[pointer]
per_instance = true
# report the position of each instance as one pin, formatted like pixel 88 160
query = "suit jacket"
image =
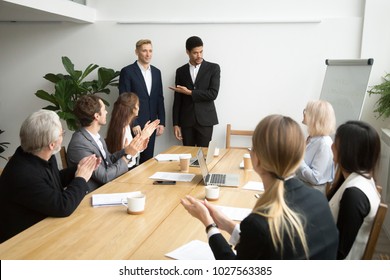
pixel 255 239
pixel 198 107
pixel 32 189
pixel 82 144
pixel 150 107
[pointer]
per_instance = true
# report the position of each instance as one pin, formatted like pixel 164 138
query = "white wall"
pixel 273 67
pixel 376 44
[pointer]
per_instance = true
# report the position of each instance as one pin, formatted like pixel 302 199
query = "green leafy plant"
pixel 3 146
pixel 382 106
pixel 70 87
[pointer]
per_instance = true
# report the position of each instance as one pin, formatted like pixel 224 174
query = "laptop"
pixel 224 180
pixel 210 154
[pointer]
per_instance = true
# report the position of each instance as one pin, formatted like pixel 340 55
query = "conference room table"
pixel 109 233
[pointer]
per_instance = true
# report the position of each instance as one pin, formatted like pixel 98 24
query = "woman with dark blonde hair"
pixel 290 220
pixel 119 135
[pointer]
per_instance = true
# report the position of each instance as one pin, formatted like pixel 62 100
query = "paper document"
pixel 235 213
pixel 110 199
pixel 254 186
pixel 193 250
pixel 169 157
pixel 171 176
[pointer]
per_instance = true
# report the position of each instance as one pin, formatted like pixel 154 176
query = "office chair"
pixel 234 132
pixel 63 157
pixel 374 233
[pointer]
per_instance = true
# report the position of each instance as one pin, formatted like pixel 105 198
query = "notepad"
pixel 110 199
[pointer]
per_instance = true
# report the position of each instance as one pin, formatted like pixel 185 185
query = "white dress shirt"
pixel 96 138
pixel 147 73
pixel 129 138
pixel 194 71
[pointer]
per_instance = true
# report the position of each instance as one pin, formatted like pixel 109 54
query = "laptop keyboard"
pixel 218 179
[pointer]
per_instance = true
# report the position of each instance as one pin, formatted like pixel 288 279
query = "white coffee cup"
pixel 212 192
pixel 184 162
pixel 247 162
pixel 216 152
pixel 135 203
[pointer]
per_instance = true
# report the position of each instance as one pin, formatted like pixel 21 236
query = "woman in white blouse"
pixel 317 167
pixel 119 135
pixel 353 197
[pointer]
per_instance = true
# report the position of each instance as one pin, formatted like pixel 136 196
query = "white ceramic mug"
pixel 135 204
pixel 212 192
pixel 184 162
pixel 216 152
pixel 247 162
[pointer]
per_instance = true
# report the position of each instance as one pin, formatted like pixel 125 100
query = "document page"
pixel 171 176
pixel 193 250
pixel 169 157
pixel 110 199
pixel 235 213
pixel 254 186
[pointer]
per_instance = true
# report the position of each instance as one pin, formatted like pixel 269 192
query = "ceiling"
pixel 44 11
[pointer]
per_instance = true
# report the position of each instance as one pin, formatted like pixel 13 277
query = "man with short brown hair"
pixel 144 79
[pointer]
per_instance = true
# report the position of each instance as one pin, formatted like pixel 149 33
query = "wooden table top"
pixel 110 233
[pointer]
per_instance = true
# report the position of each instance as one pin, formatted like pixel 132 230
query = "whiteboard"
pixel 345 87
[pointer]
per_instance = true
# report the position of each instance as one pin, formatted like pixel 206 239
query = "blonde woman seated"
pixel 354 199
pixel 317 167
pixel 290 220
pixel 119 135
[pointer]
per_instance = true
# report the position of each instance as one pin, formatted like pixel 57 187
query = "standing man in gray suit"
pixel 197 86
pixel 91 113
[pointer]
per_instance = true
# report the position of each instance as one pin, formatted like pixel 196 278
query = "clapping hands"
pixel 141 140
pixel 87 165
pixel 207 213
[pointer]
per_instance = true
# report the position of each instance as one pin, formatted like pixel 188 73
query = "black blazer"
pixel 255 239
pixel 198 107
pixel 32 189
pixel 150 107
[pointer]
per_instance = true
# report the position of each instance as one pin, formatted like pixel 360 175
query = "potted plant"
pixel 69 87
pixel 382 106
pixel 3 146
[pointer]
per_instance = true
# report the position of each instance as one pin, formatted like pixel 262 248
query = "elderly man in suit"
pixel 91 113
pixel 197 86
pixel 144 80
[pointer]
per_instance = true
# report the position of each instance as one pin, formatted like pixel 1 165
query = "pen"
pixel 257 195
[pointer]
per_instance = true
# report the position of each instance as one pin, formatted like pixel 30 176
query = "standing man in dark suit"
pixel 197 86
pixel 145 80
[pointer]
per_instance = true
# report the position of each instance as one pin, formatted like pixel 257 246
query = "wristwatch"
pixel 211 226
pixel 128 157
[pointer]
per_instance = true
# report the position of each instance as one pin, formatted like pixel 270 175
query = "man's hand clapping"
pixel 86 166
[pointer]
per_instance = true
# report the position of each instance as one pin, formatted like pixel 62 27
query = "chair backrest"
pixel 230 132
pixel 374 233
pixel 379 189
pixel 63 157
